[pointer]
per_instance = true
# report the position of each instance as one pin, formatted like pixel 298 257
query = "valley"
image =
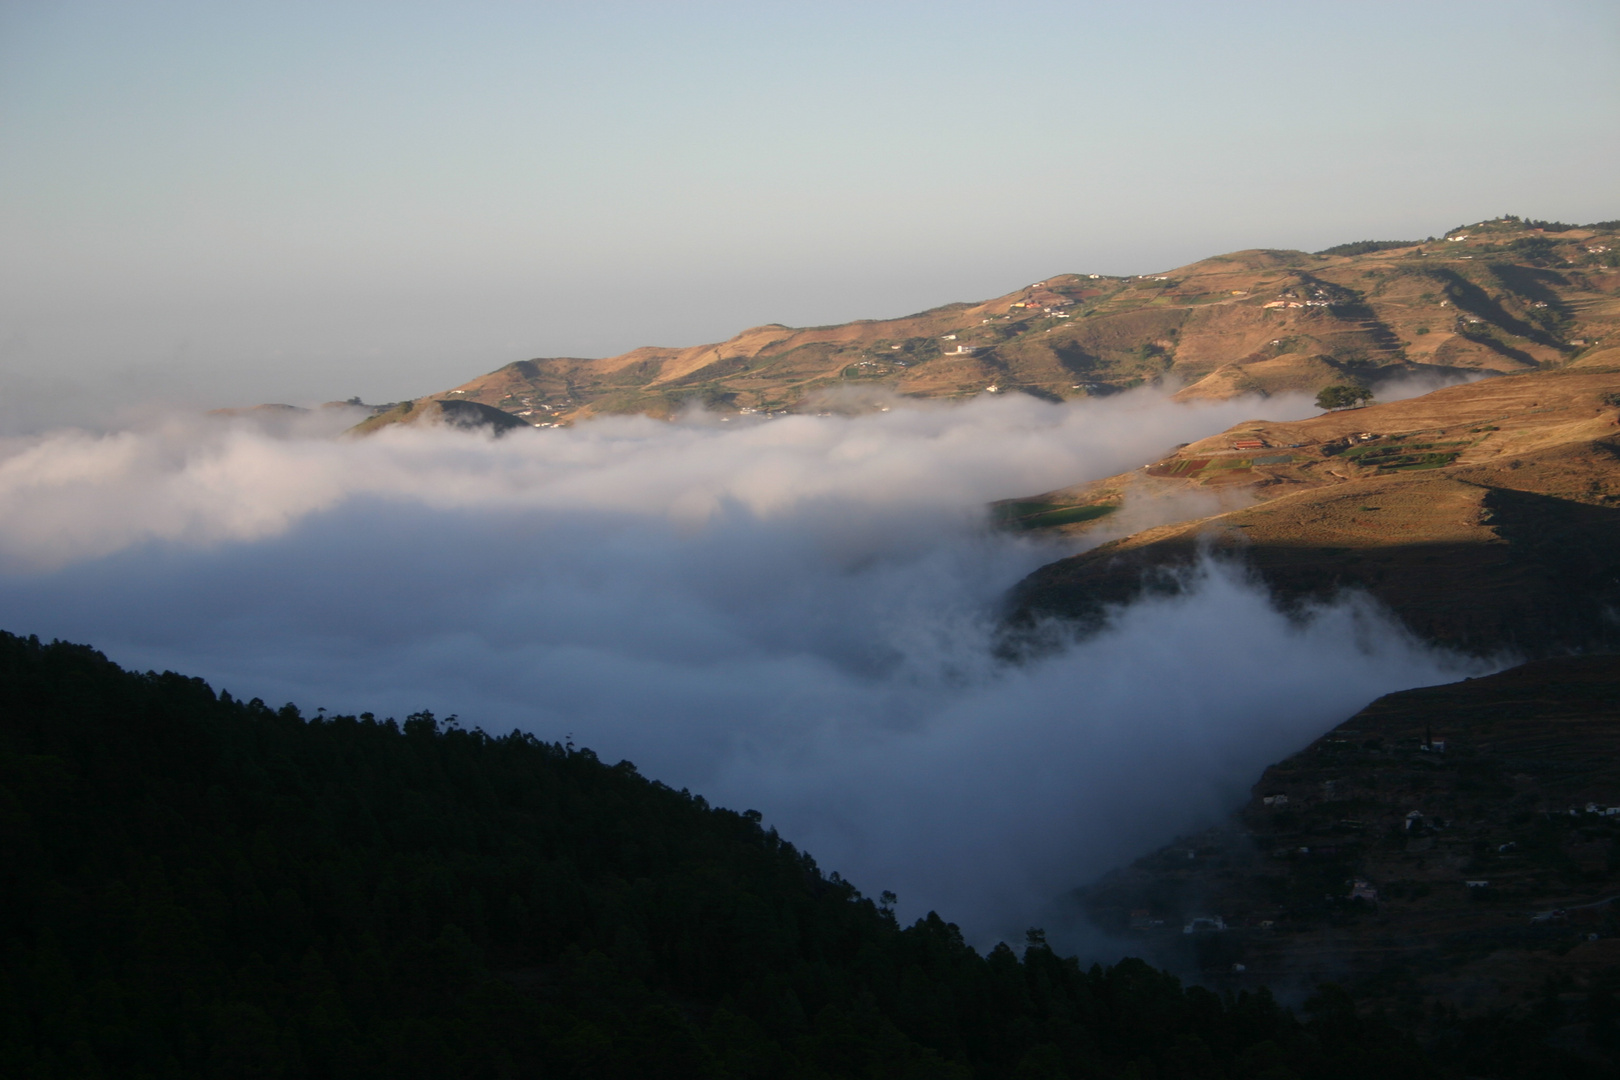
pixel 1449 851
pixel 1450 855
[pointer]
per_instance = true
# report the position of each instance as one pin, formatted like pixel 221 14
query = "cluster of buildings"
pixel 1142 919
pixel 1049 302
pixel 1594 808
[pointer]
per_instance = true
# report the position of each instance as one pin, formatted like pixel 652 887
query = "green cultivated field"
pixel 1040 515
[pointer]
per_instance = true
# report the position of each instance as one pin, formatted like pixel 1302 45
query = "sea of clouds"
pixel 794 615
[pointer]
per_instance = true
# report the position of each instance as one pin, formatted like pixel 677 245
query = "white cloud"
pixel 792 615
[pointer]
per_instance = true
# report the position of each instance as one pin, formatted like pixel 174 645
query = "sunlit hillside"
pixel 1506 295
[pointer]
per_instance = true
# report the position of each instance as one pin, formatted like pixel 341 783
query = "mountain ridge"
pixel 1506 295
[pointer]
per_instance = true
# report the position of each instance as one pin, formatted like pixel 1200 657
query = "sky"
pixel 205 205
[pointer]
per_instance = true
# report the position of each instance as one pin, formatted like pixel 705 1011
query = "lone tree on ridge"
pixel 1342 397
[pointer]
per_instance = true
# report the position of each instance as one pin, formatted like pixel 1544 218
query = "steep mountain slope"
pixel 195 886
pixel 1499 296
pixel 456 413
pixel 1450 846
pixel 1486 516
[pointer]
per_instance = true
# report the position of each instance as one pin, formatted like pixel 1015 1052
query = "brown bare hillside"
pixel 1485 516
pixel 1500 296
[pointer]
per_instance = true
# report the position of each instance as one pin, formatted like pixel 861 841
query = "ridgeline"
pixel 197 886
pixel 1506 295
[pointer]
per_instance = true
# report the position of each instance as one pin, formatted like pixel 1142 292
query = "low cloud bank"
pixel 792 615
pixel 1402 387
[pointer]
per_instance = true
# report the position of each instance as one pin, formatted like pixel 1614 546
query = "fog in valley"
pixel 793 615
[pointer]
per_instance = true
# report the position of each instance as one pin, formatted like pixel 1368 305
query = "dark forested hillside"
pixel 196 886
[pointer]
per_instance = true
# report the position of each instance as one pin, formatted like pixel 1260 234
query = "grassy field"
pixel 1022 516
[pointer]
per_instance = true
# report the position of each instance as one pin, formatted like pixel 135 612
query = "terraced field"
pixel 1454 846
pixel 1040 515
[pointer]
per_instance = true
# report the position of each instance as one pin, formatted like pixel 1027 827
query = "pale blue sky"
pixel 225 203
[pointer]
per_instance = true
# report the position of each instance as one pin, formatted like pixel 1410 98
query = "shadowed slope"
pixel 1436 852
pixel 194 886
pixel 1486 516
pixel 464 415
